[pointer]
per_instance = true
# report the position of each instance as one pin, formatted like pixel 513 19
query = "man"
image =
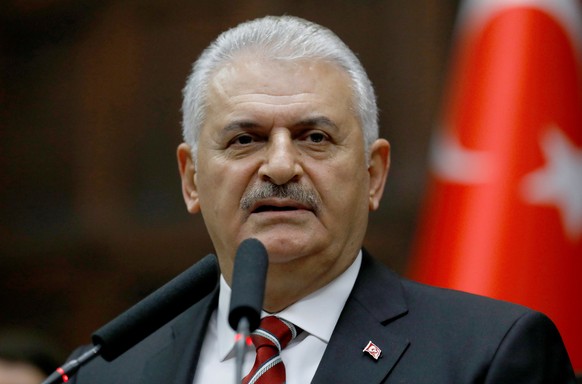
pixel 281 144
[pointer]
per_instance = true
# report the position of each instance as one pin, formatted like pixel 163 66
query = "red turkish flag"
pixel 504 211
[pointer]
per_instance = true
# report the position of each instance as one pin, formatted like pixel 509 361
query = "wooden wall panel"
pixel 91 214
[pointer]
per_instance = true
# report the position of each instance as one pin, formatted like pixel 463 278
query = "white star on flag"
pixel 559 182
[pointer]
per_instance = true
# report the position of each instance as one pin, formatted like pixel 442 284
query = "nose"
pixel 281 164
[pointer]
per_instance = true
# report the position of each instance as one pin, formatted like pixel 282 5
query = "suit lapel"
pixel 376 299
pixel 179 357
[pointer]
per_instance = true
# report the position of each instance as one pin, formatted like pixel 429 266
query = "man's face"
pixel 281 158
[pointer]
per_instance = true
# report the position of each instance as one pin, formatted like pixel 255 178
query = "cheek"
pixel 217 194
pixel 221 190
pixel 345 189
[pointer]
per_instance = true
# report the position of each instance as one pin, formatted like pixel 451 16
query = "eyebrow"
pixel 238 125
pixel 317 121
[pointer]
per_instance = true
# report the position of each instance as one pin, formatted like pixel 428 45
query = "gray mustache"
pixel 292 191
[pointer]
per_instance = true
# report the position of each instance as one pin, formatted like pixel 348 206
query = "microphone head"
pixel 248 283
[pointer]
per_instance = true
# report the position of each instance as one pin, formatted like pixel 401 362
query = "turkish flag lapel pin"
pixel 373 350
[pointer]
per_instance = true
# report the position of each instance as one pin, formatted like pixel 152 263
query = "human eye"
pixel 243 139
pixel 316 137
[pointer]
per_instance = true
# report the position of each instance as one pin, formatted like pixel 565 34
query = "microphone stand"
pixel 240 347
pixel 145 317
pixel 62 374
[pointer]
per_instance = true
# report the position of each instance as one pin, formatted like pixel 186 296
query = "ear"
pixel 378 170
pixel 188 175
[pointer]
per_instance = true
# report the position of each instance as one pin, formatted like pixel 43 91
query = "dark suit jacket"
pixel 426 334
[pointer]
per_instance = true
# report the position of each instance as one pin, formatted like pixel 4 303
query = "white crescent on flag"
pixel 451 161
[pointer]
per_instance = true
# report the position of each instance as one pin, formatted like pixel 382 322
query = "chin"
pixel 284 250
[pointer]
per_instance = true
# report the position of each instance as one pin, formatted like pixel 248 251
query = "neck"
pixel 286 285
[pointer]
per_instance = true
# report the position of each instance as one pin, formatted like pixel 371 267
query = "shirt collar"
pixel 306 313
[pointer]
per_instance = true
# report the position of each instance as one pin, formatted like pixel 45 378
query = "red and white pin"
pixel 373 350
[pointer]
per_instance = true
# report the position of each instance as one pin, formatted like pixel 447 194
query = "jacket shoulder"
pixel 493 341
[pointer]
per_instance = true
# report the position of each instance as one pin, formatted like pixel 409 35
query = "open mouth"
pixel 273 208
pixel 279 205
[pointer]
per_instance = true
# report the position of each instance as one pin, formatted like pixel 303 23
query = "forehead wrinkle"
pixel 272 99
pixel 231 85
pixel 258 114
pixel 315 121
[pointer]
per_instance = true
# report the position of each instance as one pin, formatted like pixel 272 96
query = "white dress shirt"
pixel 317 314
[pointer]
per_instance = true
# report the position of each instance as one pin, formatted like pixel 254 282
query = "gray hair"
pixel 281 38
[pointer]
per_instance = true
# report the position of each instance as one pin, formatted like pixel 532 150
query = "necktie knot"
pixel 274 332
pixel 272 336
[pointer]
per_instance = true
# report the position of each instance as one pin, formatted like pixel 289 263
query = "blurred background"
pixel 91 214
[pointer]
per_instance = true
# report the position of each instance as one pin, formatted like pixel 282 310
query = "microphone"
pixel 145 317
pixel 248 284
pixel 248 291
pixel 157 309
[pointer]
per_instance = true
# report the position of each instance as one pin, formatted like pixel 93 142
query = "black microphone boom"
pixel 157 309
pixel 248 284
pixel 141 320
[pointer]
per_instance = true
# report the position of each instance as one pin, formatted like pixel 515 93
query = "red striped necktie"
pixel 269 339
